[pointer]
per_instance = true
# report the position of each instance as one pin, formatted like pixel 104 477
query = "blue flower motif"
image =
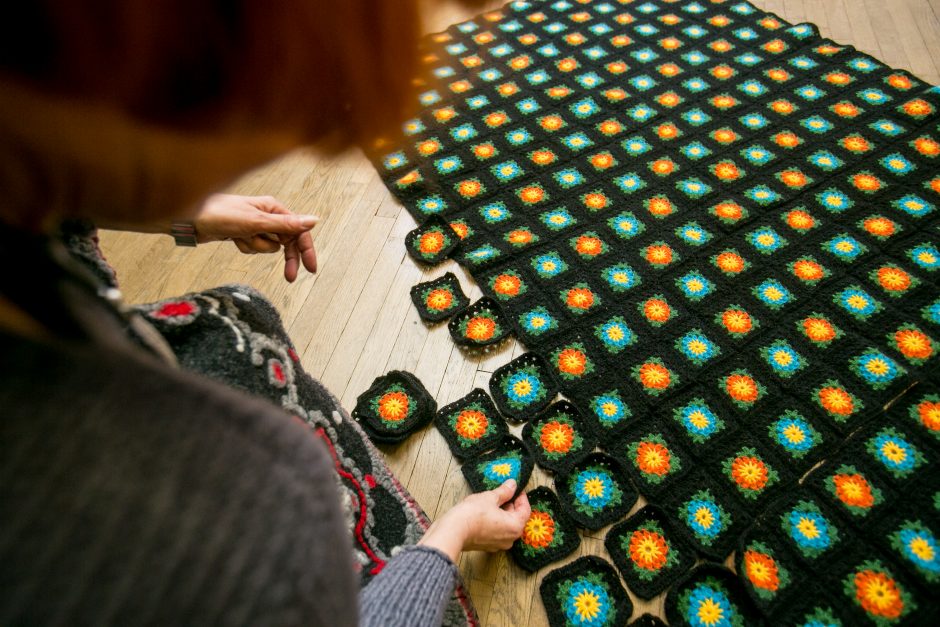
pixel 913 205
pixel 629 183
pixel 773 294
pixel 753 88
pixel 394 160
pixel 757 154
pixel 600 29
pixel 594 53
pixel 635 146
pixel 932 312
pixel 584 594
pixel 927 256
pixel 641 112
pixel 429 97
pixel 697 347
pixel 568 178
pixel 584 108
pixel 528 105
pixel 876 368
pixel 825 160
pixel 490 75
pixel 803 62
pixel 645 55
pixel 577 141
pixel 626 225
pixel 894 452
pixel 647 8
pixel 593 488
pixel 809 529
pixel 549 265
pixel 477 102
pixel 694 7
pixel 431 204
pixel 695 151
pixel 874 96
pixel 896 163
pixel 502 469
pixel 522 387
pixel 481 254
pixel 845 247
pixel 549 50
pixel 693 187
pixel 810 92
pixel 693 234
pixel 707 601
pixel 695 286
pixel 501 50
pixel 519 137
pixel 621 277
pixel 590 80
pixel 834 200
pixel 887 127
pixel 695 85
pixel 794 434
pixel 615 334
pixel 609 408
pixel 444 71
pixel 557 219
pixel 448 164
pixel 696 117
pixel 743 9
pixel 643 82
pixel 704 517
pixel 766 240
pixel 694 57
pixel 782 359
pixel 857 302
pixel 927 555
pixel 538 321
pixel 506 171
pixel 555 28
pixel 699 420
pixel 413 127
pixel 746 34
pixel 495 212
pixel 816 124
pixel 754 121
pixel 762 195
pixel 455 49
pixel 861 64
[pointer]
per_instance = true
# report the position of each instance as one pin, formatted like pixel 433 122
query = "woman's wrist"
pixel 448 535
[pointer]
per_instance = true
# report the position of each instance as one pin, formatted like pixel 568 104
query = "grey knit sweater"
pixel 136 494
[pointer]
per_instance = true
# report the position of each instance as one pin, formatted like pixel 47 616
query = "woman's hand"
pixel 486 521
pixel 259 224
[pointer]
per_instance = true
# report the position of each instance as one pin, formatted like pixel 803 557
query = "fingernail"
pixel 308 222
pixel 511 483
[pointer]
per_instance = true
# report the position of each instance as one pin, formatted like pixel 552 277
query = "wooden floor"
pixel 353 320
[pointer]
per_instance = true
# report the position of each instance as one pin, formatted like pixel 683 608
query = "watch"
pixel 184 233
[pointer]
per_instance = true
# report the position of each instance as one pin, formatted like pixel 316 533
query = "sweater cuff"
pixel 412 589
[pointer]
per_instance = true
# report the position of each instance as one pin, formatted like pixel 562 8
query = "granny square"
pixel 470 425
pixel 439 299
pixel 585 592
pixel 395 406
pixel 548 536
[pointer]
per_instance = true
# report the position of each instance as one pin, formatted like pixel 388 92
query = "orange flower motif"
pixel 846 110
pixel 856 143
pixel 818 329
pixel 720 21
pixel 894 279
pixel 913 343
pixel 727 171
pixel 899 81
pixel 667 131
pixel 720 46
pixel 472 61
pixel 616 67
pixel 572 361
pixel 917 107
pixel 927 146
pixel 750 473
pixel 669 70
pixel 725 136
pixel 520 236
pixel 670 19
pixel 929 414
pixel 480 328
pixel 409 178
pixel 655 376
pixel 595 201
pixel 728 211
pixel 520 62
pixel 556 437
pixel 657 310
pixel 866 182
pixel 575 39
pixel 393 406
pixel 838 78
pixel 783 107
pixel 648 549
pixel 551 122
pixel 730 262
pixel 761 570
pixel 880 226
pixel 458 87
pixel 484 38
pixel 778 74
pixel 659 254
pixel 528 39
pixel 431 242
pixel 507 284
pixel 471 424
pixel 935 184
pixel 543 157
pixel 669 99
pixel 619 41
pixel 539 530
pixel 800 220
pixel 737 321
pixel 507 89
pixel 793 179
pixel 836 400
pixel 786 139
pixel 429 147
pixel 741 388
pixel 807 270
pixel 469 188
pixel 724 101
pixel 660 206
pixel 670 43
pixel 531 194
pixel 602 160
pixel 588 245
pixel 558 92
pixel 484 151
pixel 653 458
pixel 615 94
pixel 663 166
pixel 461 229
pixel 770 23
pixel 610 127
pixel 439 300
pixel 580 298
pixel 853 490
pixel 878 594
pixel 444 114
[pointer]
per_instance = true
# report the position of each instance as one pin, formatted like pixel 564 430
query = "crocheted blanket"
pixel 717 233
